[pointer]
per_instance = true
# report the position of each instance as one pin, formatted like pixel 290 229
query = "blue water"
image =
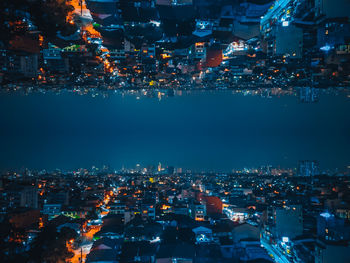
pixel 200 131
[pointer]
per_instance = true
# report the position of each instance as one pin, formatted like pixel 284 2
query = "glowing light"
pixel 165 207
pixel 156 23
pixel 326 215
pixel 157 239
pixel 234 46
pixel 285 239
pixel 164 56
pixel 326 48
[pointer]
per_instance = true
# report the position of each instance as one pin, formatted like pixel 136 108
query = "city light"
pixel 175 131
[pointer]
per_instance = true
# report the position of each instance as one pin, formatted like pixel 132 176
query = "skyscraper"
pixel 308 168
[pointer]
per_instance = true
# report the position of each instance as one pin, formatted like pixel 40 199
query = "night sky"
pixel 199 131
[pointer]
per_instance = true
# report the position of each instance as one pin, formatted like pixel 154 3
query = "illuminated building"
pixel 285 40
pixel 238 215
pixel 287 221
pixel 198 211
pixel 148 211
pixel 333 236
pixel 331 228
pixel 280 30
pixel 199 50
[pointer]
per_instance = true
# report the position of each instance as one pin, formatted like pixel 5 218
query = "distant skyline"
pixel 165 166
pixel 200 131
pixel 154 170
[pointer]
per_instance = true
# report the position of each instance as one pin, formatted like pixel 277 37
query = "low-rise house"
pixel 203 234
pixel 245 231
pixel 102 256
pixel 175 253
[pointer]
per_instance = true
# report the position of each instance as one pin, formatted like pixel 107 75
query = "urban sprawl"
pixel 166 214
pixel 158 47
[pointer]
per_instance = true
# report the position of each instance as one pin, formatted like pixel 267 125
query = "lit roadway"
pixel 272 249
pixel 83 12
pixel 85 246
pixel 80 9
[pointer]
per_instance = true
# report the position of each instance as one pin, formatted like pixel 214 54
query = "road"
pixel 85 246
pixel 278 256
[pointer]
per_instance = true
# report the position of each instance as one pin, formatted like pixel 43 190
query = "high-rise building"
pixel 29 197
pixel 308 94
pixel 287 221
pixel 331 228
pixel 333 236
pixel 286 28
pixel 308 168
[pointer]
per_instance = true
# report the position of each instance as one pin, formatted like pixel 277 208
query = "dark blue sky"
pixel 202 131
